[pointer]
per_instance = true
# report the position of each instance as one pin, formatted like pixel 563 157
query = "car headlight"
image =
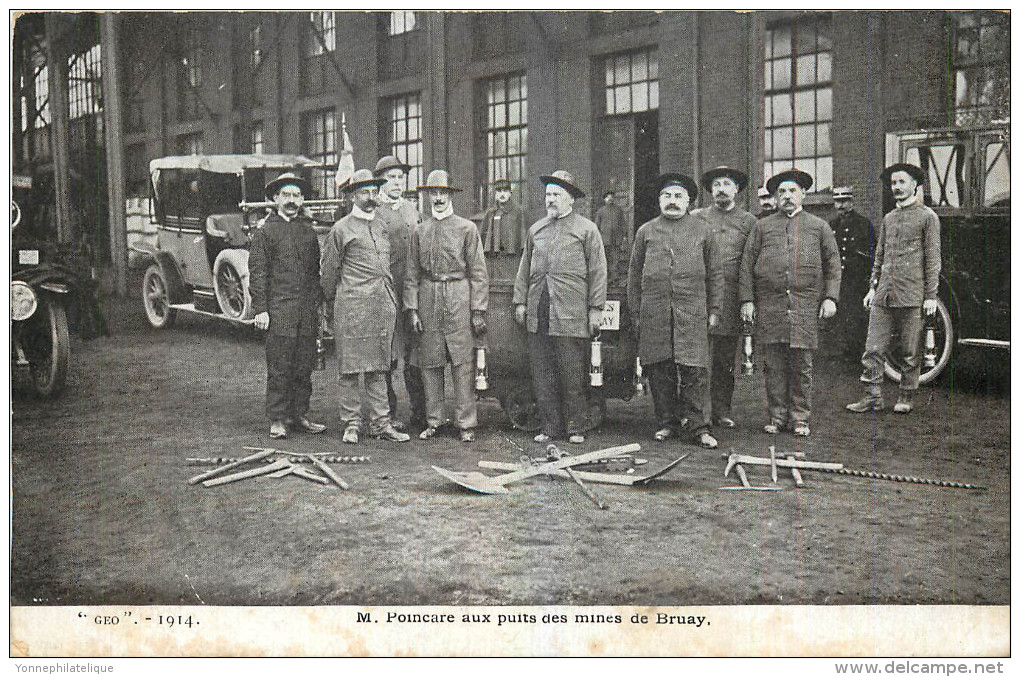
pixel 23 301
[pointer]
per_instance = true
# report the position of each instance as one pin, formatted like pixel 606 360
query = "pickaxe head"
pixel 729 465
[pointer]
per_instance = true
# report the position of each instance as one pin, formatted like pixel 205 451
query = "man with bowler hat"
pixel 502 228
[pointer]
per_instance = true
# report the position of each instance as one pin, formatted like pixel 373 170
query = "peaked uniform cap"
pixel 843 193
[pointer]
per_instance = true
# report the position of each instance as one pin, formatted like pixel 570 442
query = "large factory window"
pixel 318 41
pixel 318 139
pixel 632 82
pixel 506 130
pixel 980 59
pixel 402 124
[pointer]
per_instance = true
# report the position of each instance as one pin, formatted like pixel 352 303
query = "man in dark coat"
pixel 730 227
pixel 283 266
pixel 789 279
pixel 560 296
pixel 503 230
pixel 612 224
pixel 674 290
pixel 400 217
pixel 855 239
pixel 766 203
pixel 904 283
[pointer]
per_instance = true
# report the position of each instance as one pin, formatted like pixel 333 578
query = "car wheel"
pixel 942 323
pixel 47 345
pixel 156 298
pixel 230 282
pixel 521 409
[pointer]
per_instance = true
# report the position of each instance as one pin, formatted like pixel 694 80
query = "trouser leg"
pixel 391 394
pixel 777 364
pixel 876 346
pixel 279 368
pixel 570 370
pixel 911 323
pixel 694 398
pixel 466 410
pixel 301 376
pixel 378 404
pixel 724 350
pixel 662 379
pixel 800 370
pixel 544 381
pixel 415 389
pixel 434 379
pixel 350 399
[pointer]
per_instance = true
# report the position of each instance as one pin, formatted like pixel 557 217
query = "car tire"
pixel 521 408
pixel 156 298
pixel 230 283
pixel 943 325
pixel 50 350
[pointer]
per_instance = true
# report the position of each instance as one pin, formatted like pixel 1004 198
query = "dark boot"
pixel 905 403
pixel 872 401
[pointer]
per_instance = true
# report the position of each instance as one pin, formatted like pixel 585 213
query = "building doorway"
pixel 625 160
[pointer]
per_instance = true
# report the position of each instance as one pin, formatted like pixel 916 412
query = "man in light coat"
pixel 362 303
pixel 674 290
pixel 789 279
pixel 446 294
pixel 560 296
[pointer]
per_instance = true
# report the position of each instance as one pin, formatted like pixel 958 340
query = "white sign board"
pixel 611 316
pixel 28 257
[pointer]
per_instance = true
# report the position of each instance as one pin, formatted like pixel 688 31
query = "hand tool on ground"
pixel 330 458
pixel 218 471
pixel 743 476
pixel 485 484
pixel 300 472
pixel 555 452
pixel 797 479
pixel 744 484
pixel 596 477
pixel 772 457
pixel 245 474
pixel 329 473
pixel 734 459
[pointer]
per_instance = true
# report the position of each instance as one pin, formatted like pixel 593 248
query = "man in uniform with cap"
pixel 904 282
pixel 612 224
pixel 766 203
pixel 283 265
pixel 789 279
pixel 855 239
pixel 362 302
pixel 446 295
pixel 400 218
pixel 675 290
pixel 503 223
pixel 730 227
pixel 560 295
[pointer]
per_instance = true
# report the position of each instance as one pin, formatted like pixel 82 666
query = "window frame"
pixel 401 147
pixel 491 106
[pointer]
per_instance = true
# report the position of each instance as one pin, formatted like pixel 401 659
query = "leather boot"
pixel 872 401
pixel 905 402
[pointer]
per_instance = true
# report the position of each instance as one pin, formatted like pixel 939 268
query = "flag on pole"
pixel 345 168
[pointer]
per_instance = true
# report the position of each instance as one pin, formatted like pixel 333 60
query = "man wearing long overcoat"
pixel 675 289
pixel 856 241
pixel 730 227
pixel 789 279
pixel 616 238
pixel 560 296
pixel 502 227
pixel 400 217
pixel 283 267
pixel 359 291
pixel 446 294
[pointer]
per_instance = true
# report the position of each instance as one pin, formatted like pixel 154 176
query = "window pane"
pixel 768 111
pixel 825 67
pixel 804 145
pixel 804 106
pixel 653 66
pixel 653 96
pixel 781 40
pixel 781 74
pixel 515 88
pixel 782 109
pixel 640 97
pixel 609 74
pixel 823 174
pixel 824 111
pixel 622 69
pixel 996 176
pixel 806 33
pixel 623 100
pixel 768 143
pixel 824 145
pixel 610 102
pixel 500 118
pixel 806 74
pixel 782 143
pixel 640 67
pixel 515 113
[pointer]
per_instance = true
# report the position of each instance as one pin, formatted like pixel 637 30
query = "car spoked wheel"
pixel 230 274
pixel 47 345
pixel 156 298
pixel 521 409
pixel 942 326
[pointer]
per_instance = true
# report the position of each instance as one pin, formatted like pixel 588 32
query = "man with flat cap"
pixel 612 224
pixel 446 293
pixel 730 227
pixel 904 283
pixel 362 302
pixel 502 228
pixel 400 217
pixel 789 279
pixel 675 291
pixel 560 295
pixel 283 269
pixel 855 239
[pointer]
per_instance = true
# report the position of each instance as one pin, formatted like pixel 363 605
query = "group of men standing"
pixel 397 287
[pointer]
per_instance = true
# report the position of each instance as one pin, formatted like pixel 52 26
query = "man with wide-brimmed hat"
pixel 560 296
pixel 904 283
pixel 674 291
pixel 856 241
pixel 362 302
pixel 400 218
pixel 612 224
pixel 502 228
pixel 283 270
pixel 446 293
pixel 789 279
pixel 730 227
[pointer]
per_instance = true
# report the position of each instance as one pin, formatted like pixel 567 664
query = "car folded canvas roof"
pixel 230 164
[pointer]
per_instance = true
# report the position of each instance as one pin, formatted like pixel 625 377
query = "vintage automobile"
pixel 967 184
pixel 205 208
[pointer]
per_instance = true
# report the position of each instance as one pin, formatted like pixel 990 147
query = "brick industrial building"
pixel 613 97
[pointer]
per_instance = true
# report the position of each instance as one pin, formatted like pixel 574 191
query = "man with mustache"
pixel 400 218
pixel 446 293
pixel 503 223
pixel 362 303
pixel 904 282
pixel 766 203
pixel 560 295
pixel 730 227
pixel 675 290
pixel 789 279
pixel 283 269
pixel 856 239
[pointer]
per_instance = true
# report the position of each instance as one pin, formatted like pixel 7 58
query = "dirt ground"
pixel 103 514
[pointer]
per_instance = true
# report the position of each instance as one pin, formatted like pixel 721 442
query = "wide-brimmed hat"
pixel 502 184
pixel 388 162
pixel 565 180
pixel 438 179
pixel 287 179
pixel 802 179
pixel 915 172
pixel 843 193
pixel 362 178
pixel 739 177
pixel 670 178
